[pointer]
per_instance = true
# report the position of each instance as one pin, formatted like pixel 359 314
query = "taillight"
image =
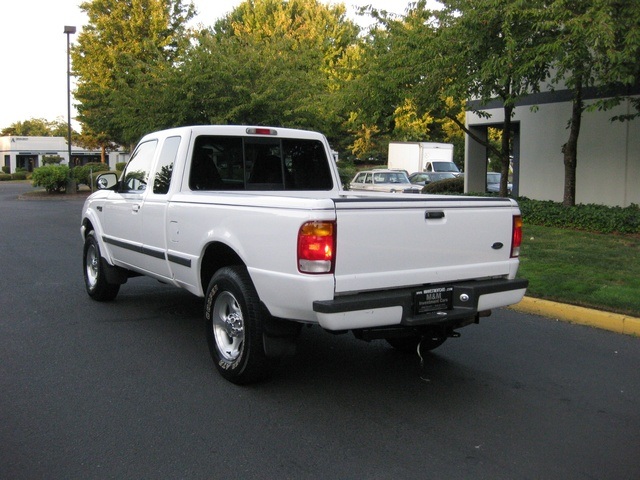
pixel 516 238
pixel 316 247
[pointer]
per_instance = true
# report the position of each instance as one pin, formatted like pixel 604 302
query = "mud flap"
pixel 280 337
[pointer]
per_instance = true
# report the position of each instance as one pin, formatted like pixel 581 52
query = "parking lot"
pixel 127 389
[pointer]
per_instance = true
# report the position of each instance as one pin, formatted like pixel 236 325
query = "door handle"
pixel 135 208
pixel 433 215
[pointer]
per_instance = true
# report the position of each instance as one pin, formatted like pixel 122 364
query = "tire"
pixel 410 344
pixel 234 319
pixel 95 279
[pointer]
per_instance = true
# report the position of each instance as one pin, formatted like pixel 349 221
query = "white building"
pixel 608 166
pixel 27 152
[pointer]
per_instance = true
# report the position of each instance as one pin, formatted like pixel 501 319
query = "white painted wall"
pixel 608 170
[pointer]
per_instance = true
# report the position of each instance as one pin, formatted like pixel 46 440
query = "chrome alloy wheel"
pixel 228 326
pixel 92 266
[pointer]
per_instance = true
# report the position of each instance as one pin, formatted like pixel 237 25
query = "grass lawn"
pixel 581 268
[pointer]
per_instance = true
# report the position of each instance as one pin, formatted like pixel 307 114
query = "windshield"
pixel 493 178
pixel 445 167
pixel 390 177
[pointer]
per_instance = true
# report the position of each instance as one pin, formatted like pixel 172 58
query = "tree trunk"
pixel 505 152
pixel 570 149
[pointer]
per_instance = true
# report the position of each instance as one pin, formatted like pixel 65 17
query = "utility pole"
pixel 71 182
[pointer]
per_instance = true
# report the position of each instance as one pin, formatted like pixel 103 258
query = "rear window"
pixel 241 163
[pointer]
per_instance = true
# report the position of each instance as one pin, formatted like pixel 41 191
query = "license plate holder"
pixel 432 300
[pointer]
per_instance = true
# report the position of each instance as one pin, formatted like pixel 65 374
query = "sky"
pixel 33 65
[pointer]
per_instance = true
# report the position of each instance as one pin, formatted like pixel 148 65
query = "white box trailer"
pixel 422 157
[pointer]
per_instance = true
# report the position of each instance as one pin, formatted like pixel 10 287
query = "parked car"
pixel 425 178
pixel 383 180
pixel 493 183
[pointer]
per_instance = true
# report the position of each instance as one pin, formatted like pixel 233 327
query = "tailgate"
pixel 398 242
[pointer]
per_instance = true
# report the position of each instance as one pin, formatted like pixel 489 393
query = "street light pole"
pixel 71 183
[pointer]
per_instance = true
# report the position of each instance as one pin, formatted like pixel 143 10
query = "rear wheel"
pixel 235 326
pixel 95 279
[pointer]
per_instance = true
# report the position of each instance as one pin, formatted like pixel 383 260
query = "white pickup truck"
pixel 255 220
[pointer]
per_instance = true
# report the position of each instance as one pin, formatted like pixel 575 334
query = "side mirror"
pixel 106 181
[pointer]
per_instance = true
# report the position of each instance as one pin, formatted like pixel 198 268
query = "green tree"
pixel 92 141
pixel 38 127
pixel 124 44
pixel 268 62
pixel 487 50
pixel 596 44
pixel 470 50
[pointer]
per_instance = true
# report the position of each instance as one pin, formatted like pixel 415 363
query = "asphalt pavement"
pixel 127 389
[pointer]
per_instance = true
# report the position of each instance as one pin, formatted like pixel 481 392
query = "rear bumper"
pixel 395 307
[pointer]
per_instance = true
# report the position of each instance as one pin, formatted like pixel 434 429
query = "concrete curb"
pixel 584 316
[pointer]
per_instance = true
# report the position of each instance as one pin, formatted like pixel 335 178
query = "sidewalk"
pixel 584 316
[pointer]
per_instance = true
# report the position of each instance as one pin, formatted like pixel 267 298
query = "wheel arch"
pixel 87 226
pixel 89 223
pixel 217 255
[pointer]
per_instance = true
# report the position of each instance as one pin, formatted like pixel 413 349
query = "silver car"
pixel 425 178
pixel 392 181
pixel 493 183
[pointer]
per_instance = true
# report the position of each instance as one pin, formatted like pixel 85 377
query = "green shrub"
pixel 449 185
pixel 120 166
pixel 4 177
pixel 6 169
pixel 52 177
pixel 347 171
pixel 51 159
pixel 82 173
pixel 590 217
pixel 19 175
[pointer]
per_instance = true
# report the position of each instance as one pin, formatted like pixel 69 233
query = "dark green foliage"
pixel 450 185
pixel 4 177
pixel 347 171
pixel 82 174
pixel 19 175
pixel 52 177
pixel 51 159
pixel 120 166
pixel 593 218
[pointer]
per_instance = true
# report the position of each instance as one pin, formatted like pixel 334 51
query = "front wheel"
pixel 235 321
pixel 95 279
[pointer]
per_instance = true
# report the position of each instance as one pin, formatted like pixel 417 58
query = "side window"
pixel 306 165
pixel 368 179
pixel 162 178
pixel 217 164
pixel 136 173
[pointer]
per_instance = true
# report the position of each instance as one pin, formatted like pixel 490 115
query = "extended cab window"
pixel 258 163
pixel 162 178
pixel 217 164
pixel 136 174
